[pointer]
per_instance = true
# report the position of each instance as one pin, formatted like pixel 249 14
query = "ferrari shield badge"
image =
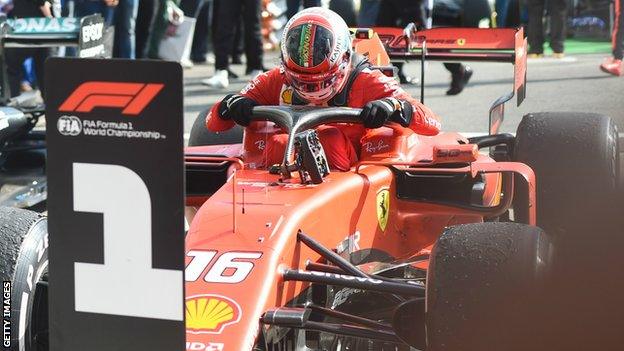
pixel 383 206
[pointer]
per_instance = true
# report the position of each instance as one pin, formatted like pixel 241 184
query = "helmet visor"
pixel 302 84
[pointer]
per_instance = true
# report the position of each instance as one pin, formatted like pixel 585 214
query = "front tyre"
pixel 484 283
pixel 23 269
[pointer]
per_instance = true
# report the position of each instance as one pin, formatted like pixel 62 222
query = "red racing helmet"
pixel 316 54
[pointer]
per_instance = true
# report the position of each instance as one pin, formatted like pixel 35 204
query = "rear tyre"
pixel 483 283
pixel 200 135
pixel 24 264
pixel 575 158
pixel 576 163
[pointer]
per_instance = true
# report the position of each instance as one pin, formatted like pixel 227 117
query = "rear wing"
pixel 458 45
pixel 86 34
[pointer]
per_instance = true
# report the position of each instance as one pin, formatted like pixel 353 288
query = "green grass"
pixel 584 46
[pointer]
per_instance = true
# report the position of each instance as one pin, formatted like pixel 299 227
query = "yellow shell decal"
pixel 461 41
pixel 287 96
pixel 209 314
pixel 383 208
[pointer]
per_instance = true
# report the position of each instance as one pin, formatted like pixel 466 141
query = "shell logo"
pixel 210 314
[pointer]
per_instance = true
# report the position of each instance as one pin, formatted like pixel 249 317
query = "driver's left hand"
pixel 377 112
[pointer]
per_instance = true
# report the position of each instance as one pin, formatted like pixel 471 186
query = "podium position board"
pixel 116 205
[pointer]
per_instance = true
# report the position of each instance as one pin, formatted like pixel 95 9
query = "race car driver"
pixel 319 68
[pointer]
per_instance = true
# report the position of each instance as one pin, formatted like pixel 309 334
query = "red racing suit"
pixel 340 141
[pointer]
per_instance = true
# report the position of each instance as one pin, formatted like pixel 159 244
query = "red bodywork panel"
pixel 254 218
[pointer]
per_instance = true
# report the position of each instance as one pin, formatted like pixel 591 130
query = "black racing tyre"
pixel 483 284
pixel 575 158
pixel 201 136
pixel 576 163
pixel 23 269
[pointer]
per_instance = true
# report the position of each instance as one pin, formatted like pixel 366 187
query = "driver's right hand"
pixel 237 108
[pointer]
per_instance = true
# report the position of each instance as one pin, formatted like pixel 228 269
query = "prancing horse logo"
pixel 383 206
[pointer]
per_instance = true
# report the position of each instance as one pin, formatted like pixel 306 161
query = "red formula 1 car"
pixel 421 245
pixel 429 242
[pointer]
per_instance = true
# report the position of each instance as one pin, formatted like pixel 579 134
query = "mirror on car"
pixel 497 115
pixel 483 192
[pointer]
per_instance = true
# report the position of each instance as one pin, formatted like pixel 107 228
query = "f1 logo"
pixel 131 97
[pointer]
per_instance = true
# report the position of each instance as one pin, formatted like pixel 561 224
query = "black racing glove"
pixel 237 108
pixel 376 113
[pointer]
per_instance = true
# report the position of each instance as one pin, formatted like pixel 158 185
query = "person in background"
pixel 120 13
pixel 557 10
pixel 200 46
pixel 158 30
pixel 191 7
pixel 5 7
pixel 238 48
pixel 613 65
pixel 228 14
pixel 239 44
pixel 369 9
pixel 89 7
pixel 124 19
pixel 346 10
pixel 15 57
pixel 146 17
pixel 452 13
pixel 400 13
pixel 200 10
pixel 292 6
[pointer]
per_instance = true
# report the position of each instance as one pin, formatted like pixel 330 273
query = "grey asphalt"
pixel 572 84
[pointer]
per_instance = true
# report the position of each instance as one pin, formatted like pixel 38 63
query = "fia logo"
pixel 69 125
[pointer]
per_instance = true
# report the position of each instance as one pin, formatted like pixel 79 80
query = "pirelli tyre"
pixel 484 287
pixel 199 135
pixel 576 163
pixel 23 269
pixel 576 160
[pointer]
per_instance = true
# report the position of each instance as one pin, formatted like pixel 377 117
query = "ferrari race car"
pixel 430 242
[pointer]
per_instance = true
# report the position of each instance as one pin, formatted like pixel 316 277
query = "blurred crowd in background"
pixel 222 32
